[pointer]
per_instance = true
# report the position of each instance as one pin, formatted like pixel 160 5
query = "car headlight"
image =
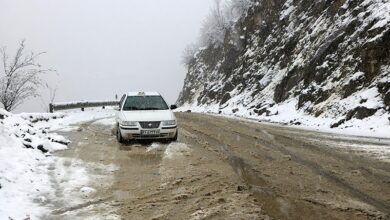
pixel 169 123
pixel 129 123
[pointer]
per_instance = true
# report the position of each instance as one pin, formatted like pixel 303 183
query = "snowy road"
pixel 222 169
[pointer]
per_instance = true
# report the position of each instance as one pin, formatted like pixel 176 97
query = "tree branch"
pixel 21 78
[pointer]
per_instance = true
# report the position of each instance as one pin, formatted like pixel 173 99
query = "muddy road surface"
pixel 223 168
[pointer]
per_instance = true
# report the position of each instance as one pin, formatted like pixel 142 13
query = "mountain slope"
pixel 323 63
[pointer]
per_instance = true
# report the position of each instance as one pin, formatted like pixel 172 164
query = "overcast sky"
pixel 105 47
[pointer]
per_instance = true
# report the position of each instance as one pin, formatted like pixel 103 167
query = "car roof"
pixel 142 93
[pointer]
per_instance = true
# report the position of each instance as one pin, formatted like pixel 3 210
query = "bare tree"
pixel 20 77
pixel 238 7
pixel 221 18
pixel 214 26
pixel 189 54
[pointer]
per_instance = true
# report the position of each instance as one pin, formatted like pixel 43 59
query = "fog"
pixel 100 48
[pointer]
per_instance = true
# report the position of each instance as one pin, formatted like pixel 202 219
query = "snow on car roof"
pixel 141 93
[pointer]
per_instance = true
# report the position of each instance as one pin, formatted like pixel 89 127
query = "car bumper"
pixel 135 133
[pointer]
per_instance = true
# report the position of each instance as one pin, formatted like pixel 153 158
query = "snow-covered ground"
pixel 286 113
pixel 68 120
pixel 27 165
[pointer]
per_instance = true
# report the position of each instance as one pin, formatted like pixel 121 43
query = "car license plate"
pixel 150 132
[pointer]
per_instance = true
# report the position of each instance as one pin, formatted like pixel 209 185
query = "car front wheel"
pixel 119 135
pixel 175 138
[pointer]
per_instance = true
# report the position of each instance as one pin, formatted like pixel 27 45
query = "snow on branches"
pixel 221 18
pixel 20 77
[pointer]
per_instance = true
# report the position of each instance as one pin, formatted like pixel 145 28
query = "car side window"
pixel 121 102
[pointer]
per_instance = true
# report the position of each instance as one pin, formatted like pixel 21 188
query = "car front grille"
pixel 150 124
pixel 163 135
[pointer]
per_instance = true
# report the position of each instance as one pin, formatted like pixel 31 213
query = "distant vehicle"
pixel 145 115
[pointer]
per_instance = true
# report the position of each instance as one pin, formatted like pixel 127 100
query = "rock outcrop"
pixel 283 60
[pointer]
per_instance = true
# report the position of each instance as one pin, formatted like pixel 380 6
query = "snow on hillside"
pixel 301 63
pixel 27 142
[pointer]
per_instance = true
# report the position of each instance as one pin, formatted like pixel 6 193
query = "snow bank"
pixel 287 114
pixel 26 164
pixel 106 121
pixel 32 130
pixel 72 117
pixel 25 158
pixel 155 147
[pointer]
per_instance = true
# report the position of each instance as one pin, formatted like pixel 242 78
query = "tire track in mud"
pixel 81 206
pixel 380 205
pixel 87 126
pixel 243 169
pixel 380 176
pixel 331 152
pixel 320 170
pixel 255 211
pixel 274 203
pixel 315 167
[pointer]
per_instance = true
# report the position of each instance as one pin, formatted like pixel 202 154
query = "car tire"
pixel 175 138
pixel 119 135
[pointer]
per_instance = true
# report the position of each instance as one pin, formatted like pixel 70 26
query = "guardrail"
pixel 82 105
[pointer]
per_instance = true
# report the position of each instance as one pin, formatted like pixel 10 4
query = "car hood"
pixel 160 115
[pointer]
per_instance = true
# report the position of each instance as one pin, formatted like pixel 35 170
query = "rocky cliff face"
pixel 284 60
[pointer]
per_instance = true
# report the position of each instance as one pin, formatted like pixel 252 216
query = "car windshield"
pixel 136 103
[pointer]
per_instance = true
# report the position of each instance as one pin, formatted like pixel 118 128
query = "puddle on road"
pixel 152 153
pixel 143 153
pixel 246 172
pixel 125 147
pixel 145 159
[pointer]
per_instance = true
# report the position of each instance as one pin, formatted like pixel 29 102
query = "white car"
pixel 145 115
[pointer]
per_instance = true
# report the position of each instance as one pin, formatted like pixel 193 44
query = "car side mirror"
pixel 173 107
pixel 116 108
